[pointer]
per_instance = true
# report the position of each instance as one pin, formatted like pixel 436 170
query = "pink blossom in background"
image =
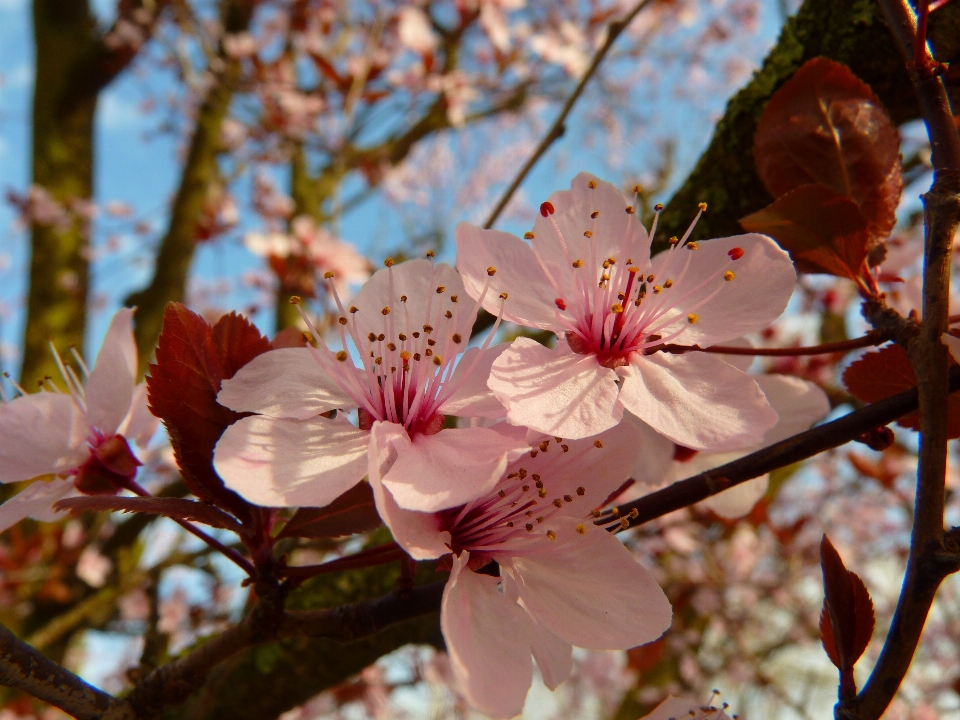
pixel 79 436
pixel 588 277
pixel 410 324
pixel 563 581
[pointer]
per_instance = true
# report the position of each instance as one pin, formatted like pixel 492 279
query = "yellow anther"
pixel 529 527
pixel 551 535
pixel 651 278
pixel 598 443
pixel 388 262
pixel 438 361
pixel 558 502
pixel 692 318
pixel 353 309
pixel 403 298
pixel 591 184
pixel 416 356
pixel 595 214
pixel 405 355
pixel 448 314
pixel 657 289
pixel 581 528
pixel 430 253
pixel 294 299
pixel 587 234
pixel 596 513
pixel 668 283
pixel 428 352
pixel 342 320
pixel 491 271
pixel 456 338
pixel 630 210
pixel 658 207
pixel 328 275
pixel 567 498
pixel 391 347
pixel 624 523
pixel 692 246
pixel 565 448
pixel 637 190
pixel 379 361
pixel 385 311
pixel 342 355
pixel 542 492
pixel 454 298
pixel 674 240
pixel 502 493
pixel 702 206
pixel 441 289
pixel 616 308
pixel 728 275
pixel 578 263
pixel 581 491
pixel 503 296
pixel 528 236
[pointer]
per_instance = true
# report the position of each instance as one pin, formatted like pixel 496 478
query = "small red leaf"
pixel 877 375
pixel 826 637
pixel 191 361
pixel 168 507
pixel 351 513
pixel 824 232
pixel 826 126
pixel 849 609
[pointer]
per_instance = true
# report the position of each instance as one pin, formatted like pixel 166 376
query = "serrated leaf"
pixel 826 637
pixel 848 607
pixel 878 374
pixel 823 231
pixel 351 513
pixel 192 359
pixel 826 126
pixel 168 507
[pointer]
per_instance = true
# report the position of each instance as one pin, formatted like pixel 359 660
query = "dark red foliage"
pixel 352 512
pixel 168 507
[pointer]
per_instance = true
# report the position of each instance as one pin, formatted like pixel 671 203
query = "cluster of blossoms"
pixel 491 459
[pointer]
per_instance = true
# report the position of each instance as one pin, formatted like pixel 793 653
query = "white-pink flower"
pixel 798 403
pixel 559 580
pixel 80 436
pixel 686 708
pixel 409 324
pixel 588 276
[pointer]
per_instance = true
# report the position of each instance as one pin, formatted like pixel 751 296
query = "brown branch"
pixel 786 452
pixel 556 130
pixel 926 568
pixel 27 669
pixel 868 340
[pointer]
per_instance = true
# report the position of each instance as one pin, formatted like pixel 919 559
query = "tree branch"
pixel 930 360
pixel 27 669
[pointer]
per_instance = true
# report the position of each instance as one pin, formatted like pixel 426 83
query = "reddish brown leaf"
pixel 168 507
pixel 351 513
pixel 877 375
pixel 191 361
pixel 848 607
pixel 825 126
pixel 826 637
pixel 824 232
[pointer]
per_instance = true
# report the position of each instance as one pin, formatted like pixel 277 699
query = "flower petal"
pixel 588 590
pixel 279 462
pixel 450 468
pixel 554 656
pixel 109 389
pixel 42 433
pixel 739 500
pixel 139 424
pixel 696 400
pixel 472 397
pixel 531 299
pixel 760 288
pixel 416 532
pixel 655 457
pixel 285 383
pixel 613 232
pixel 417 280
pixel 488 638
pixel 674 708
pixel 798 403
pixel 555 391
pixel 36 502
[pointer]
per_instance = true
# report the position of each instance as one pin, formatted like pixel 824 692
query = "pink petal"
pixel 555 391
pixel 531 299
pixel 655 458
pixel 472 397
pixel 588 590
pixel 139 424
pixel 109 389
pixel 416 532
pixel 285 383
pixel 279 462
pixel 798 403
pixel 36 502
pixel 953 345
pixel 42 433
pixel 696 400
pixel 674 708
pixel 614 232
pixel 763 283
pixel 418 281
pixel 433 472
pixel 554 656
pixel 488 638
pixel 739 500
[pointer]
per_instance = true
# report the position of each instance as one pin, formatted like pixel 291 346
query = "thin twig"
pixel 557 129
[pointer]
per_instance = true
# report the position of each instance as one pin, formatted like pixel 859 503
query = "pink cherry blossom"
pixel 588 276
pixel 80 436
pixel 563 581
pixel 798 403
pixel 686 708
pixel 409 324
